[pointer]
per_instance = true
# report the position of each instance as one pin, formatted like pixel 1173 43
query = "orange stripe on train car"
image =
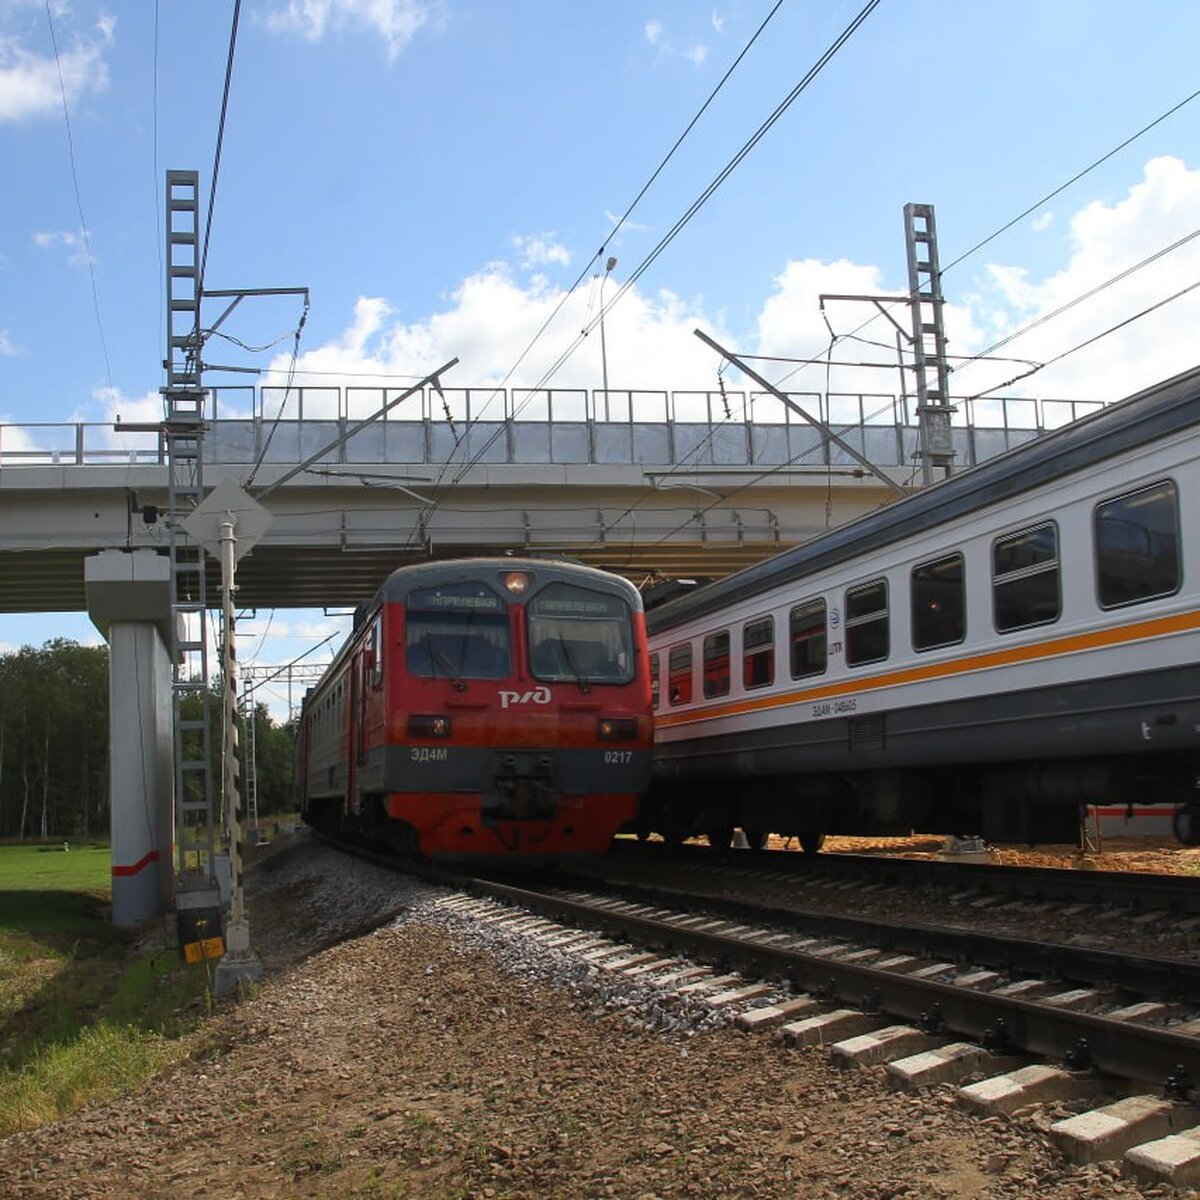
pixel 1056 647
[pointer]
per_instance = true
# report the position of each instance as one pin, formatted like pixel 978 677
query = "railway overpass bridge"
pixel 647 484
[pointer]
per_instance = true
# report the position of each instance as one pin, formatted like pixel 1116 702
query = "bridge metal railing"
pixel 547 426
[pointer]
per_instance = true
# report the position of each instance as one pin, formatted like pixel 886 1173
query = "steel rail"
pixel 1136 890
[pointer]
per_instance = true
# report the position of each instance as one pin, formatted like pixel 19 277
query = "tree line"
pixel 54 780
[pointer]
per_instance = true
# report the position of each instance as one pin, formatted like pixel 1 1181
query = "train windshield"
pixel 457 631
pixel 579 635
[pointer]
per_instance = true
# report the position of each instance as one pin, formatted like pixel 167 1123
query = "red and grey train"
pixel 484 709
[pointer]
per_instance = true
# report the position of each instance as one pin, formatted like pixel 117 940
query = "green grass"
pixel 83 1015
pixel 83 868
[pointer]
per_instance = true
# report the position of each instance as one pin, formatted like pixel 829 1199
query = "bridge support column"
pixel 129 601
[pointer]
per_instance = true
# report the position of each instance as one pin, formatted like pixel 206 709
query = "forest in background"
pixel 54 779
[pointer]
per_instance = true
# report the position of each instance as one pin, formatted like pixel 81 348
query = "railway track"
pixel 1137 892
pixel 1009 1021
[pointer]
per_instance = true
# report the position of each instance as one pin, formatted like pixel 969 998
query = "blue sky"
pixel 439 172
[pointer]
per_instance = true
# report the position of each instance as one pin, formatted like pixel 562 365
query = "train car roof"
pixel 397 585
pixel 1144 417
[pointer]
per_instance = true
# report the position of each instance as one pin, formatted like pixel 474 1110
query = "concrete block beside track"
pixel 1036 1084
pixel 942 1064
pixel 829 1027
pixel 1174 1159
pixel 1106 1133
pixel 867 1049
pixel 770 1016
pixel 751 991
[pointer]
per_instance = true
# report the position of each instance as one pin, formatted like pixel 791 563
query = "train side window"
pixel 655 684
pixel 867 636
pixel 1137 546
pixel 758 652
pixel 1025 578
pixel 679 674
pixel 807 625
pixel 939 614
pixel 716 664
pixel 375 653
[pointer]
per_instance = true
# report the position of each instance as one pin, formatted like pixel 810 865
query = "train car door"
pixel 354 740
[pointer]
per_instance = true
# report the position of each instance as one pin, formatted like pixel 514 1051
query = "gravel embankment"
pixel 435 1058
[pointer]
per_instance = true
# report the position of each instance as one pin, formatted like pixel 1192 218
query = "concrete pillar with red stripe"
pixel 129 601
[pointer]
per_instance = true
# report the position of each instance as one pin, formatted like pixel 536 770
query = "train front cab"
pixel 520 719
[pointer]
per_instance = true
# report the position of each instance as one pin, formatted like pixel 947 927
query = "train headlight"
pixel 617 729
pixel 428 725
pixel 516 583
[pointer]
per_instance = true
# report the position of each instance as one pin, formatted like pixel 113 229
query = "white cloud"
pixel 397 22
pixel 1043 222
pixel 8 347
pixel 1104 240
pixel 29 82
pixel 655 34
pixel 491 319
pixel 718 22
pixel 75 243
pixel 541 249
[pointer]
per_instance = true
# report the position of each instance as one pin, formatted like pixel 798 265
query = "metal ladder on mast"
pixel 934 410
pixel 196 834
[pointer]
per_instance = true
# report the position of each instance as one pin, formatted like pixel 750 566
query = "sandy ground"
pixel 405 1063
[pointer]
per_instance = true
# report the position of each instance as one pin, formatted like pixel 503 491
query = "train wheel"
pixel 812 842
pixel 756 839
pixel 720 838
pixel 1186 824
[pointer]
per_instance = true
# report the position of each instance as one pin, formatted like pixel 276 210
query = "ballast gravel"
pixel 398 1048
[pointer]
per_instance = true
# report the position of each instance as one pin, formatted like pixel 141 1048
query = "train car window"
pixel 807 625
pixel 457 631
pixel 716 664
pixel 679 675
pixel 1137 546
pixel 375 652
pixel 655 685
pixel 939 610
pixel 576 634
pixel 758 652
pixel 867 635
pixel 1025 578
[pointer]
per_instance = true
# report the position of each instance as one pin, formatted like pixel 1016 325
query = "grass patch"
pixel 84 1015
pixel 102 1062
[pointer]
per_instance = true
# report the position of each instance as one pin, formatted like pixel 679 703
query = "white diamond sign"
pixel 228 502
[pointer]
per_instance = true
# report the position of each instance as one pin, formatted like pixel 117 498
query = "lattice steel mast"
pixel 196 841
pixel 934 410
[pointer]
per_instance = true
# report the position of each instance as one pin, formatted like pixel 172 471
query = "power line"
pixel 87 242
pixel 1191 287
pixel 781 108
pixel 162 302
pixel 685 219
pixel 1035 206
pixel 1100 287
pixel 612 233
pixel 212 191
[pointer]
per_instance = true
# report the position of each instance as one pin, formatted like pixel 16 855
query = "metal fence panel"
pixel 531 442
pixel 614 443
pixel 652 443
pixel 487 442
pixel 730 446
pixel 569 442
